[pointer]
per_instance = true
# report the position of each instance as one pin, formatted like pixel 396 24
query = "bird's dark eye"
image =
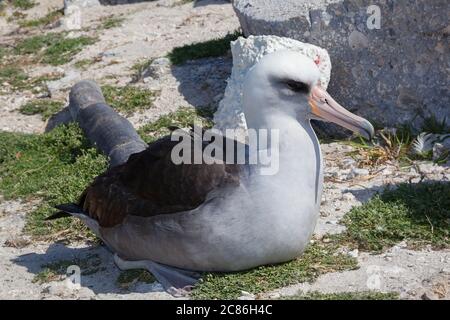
pixel 297 86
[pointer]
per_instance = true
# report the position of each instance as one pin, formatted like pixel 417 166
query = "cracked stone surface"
pixel 392 74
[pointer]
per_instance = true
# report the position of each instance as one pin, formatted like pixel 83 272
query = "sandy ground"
pixel 152 29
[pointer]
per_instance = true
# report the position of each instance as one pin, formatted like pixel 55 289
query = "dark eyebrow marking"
pixel 296 86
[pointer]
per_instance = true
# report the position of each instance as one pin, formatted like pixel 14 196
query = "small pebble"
pixel 354 253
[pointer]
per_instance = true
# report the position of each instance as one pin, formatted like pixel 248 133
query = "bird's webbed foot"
pixel 178 282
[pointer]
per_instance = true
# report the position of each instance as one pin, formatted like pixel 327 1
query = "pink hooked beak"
pixel 325 108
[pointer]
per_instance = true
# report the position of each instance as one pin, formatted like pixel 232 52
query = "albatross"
pixel 180 219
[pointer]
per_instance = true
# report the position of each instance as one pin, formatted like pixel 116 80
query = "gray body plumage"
pixel 264 220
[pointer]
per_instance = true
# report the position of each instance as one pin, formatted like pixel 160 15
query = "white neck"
pixel 300 159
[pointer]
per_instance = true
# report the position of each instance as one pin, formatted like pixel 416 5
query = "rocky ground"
pixel 149 31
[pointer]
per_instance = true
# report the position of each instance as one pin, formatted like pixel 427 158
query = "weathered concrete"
pixel 397 73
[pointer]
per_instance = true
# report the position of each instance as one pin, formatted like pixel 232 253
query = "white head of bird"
pixel 283 88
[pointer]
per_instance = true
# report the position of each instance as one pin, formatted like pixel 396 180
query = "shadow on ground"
pixel 411 193
pixel 202 82
pixel 98 271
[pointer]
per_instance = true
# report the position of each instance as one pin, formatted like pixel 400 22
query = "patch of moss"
pixel 22 4
pixel 54 167
pixel 3 52
pixel 2 9
pixel 16 15
pixel 40 82
pixel 57 270
pixel 15 76
pixel 63 51
pixel 318 258
pixel 45 107
pixel 19 80
pixel 48 19
pixel 53 48
pixel 85 63
pixel 362 295
pixel 45 275
pixel 129 277
pixel 139 67
pixel 112 22
pixel 128 99
pixel 34 44
pixel 418 213
pixel 183 117
pixel 211 48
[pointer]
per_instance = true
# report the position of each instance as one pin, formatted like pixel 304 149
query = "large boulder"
pixel 246 52
pixel 390 61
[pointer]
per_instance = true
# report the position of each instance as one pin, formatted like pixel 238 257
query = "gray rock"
pixel 354 253
pixel 80 3
pixel 389 75
pixel 246 296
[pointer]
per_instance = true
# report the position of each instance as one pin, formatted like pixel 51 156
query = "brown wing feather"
pixel 149 183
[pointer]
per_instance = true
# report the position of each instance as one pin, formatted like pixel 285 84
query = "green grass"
pixel 54 167
pixel 57 270
pixel 3 53
pixel 15 76
pixel 362 295
pixel 139 67
pixel 2 8
pixel 182 118
pixel 128 99
pixel 53 48
pixel 319 258
pixel 433 125
pixel 42 79
pixel 84 63
pixel 22 4
pixel 49 18
pixel 211 48
pixel 418 213
pixel 129 277
pixel 181 2
pixel 63 51
pixel 19 80
pixel 45 107
pixel 16 16
pixel 32 45
pixel 112 22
